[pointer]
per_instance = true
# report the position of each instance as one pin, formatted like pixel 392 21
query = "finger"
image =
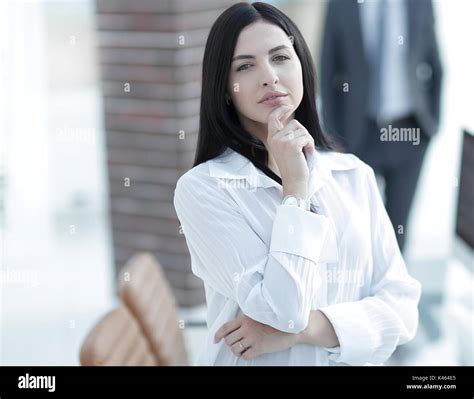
pixel 276 116
pixel 300 130
pixel 239 347
pixel 280 112
pixel 298 123
pixel 294 134
pixel 250 353
pixel 233 337
pixel 226 328
pixel 284 119
pixel 306 143
pixel 295 125
pixel 311 146
pixel 290 127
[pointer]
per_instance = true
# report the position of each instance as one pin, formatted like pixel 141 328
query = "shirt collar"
pixel 234 166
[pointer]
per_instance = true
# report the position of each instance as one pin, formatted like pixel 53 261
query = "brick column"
pixel 150 54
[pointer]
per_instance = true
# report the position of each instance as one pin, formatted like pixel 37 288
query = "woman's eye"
pixel 282 57
pixel 278 58
pixel 241 68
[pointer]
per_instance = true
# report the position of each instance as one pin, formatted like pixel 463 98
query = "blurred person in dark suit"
pixel 381 83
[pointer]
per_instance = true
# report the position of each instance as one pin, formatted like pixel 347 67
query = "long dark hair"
pixel 219 126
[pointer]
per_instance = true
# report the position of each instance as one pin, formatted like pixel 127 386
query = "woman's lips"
pixel 274 101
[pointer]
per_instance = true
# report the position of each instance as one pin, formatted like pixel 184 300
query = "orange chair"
pixel 144 289
pixel 117 340
pixel 144 330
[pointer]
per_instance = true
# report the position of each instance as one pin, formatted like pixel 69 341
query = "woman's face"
pixel 263 69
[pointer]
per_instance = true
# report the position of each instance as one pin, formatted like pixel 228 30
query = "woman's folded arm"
pixel 272 284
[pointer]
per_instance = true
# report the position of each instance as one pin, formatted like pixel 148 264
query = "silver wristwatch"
pixel 296 201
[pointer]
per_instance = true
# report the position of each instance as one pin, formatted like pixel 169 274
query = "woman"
pixel 291 238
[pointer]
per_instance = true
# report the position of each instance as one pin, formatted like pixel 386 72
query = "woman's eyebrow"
pixel 245 56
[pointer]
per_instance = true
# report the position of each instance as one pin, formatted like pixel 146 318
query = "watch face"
pixel 291 201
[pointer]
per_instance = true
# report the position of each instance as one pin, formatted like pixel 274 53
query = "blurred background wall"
pixel 150 55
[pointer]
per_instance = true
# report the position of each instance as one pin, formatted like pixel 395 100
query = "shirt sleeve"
pixel 273 284
pixel 370 329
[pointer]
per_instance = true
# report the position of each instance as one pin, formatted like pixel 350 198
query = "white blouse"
pixel 275 263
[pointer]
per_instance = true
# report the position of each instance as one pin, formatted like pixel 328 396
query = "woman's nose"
pixel 269 77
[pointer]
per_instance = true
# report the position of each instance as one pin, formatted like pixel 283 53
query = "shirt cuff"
pixel 299 232
pixel 352 327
